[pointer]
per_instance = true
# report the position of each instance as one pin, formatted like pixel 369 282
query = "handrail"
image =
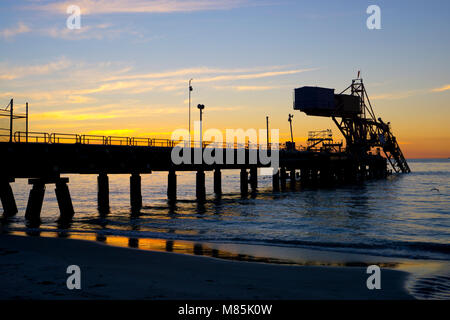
pixel 69 138
pixel 35 137
pixel 64 138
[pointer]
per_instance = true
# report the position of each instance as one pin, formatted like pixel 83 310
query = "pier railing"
pixel 72 138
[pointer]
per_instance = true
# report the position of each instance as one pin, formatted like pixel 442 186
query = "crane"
pixel 352 112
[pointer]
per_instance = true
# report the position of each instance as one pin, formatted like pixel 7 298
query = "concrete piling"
pixel 276 181
pixel 103 192
pixel 64 201
pixel 200 188
pixel 135 191
pixel 283 177
pixel 35 200
pixel 172 186
pixel 314 177
pixel 217 182
pixel 254 179
pixel 244 182
pixel 292 181
pixel 7 198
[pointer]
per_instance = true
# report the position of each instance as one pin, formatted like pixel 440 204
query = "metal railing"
pixel 35 137
pixel 69 138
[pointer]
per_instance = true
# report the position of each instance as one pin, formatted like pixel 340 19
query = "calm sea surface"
pixel 405 216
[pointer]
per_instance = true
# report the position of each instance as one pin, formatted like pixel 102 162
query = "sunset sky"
pixel 126 70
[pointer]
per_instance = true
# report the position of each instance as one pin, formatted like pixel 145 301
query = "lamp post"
pixel 190 90
pixel 201 107
pixel 290 124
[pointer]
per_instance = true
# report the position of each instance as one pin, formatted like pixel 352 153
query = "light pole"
pixel 190 89
pixel 290 124
pixel 201 107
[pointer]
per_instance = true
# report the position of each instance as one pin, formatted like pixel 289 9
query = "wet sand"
pixel 35 268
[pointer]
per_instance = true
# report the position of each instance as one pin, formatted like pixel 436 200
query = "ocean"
pixel 405 216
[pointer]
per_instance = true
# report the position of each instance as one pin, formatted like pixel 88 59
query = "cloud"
pixel 246 88
pixel 191 72
pixel 441 89
pixel 116 132
pixel 396 95
pixel 9 73
pixel 142 6
pixel 97 32
pixel 173 81
pixel 254 75
pixel 11 32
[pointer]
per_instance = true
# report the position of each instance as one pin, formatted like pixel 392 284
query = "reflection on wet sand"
pixel 199 249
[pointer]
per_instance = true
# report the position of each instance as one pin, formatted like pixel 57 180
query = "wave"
pixel 400 249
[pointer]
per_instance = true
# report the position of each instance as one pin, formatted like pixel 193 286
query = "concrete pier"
pixel 103 193
pixel 325 178
pixel 254 179
pixel 217 182
pixel 7 198
pixel 314 177
pixel 244 182
pixel 172 186
pixel 276 181
pixel 200 189
pixel 64 200
pixel 135 191
pixel 292 181
pixel 283 177
pixel 304 177
pixel 35 200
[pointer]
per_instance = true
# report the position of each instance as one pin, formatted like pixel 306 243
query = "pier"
pixel 46 161
pixel 44 158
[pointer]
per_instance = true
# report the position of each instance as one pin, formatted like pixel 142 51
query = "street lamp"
pixel 190 90
pixel 290 124
pixel 201 107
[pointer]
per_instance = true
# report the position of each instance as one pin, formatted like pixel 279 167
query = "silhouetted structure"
pixel 44 157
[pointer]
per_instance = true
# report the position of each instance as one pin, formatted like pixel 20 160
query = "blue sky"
pixel 126 68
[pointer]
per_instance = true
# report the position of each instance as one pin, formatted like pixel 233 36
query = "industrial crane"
pixel 354 116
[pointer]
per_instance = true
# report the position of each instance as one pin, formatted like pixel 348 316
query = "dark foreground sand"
pixel 35 268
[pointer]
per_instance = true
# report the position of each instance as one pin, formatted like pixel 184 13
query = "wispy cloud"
pixel 192 72
pixel 143 6
pixel 396 95
pixel 246 88
pixel 8 72
pixel 97 32
pixel 9 33
pixel 441 89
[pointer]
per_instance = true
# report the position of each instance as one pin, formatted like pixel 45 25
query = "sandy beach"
pixel 35 268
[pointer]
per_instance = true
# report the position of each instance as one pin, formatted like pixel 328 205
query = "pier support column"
pixel 314 174
pixel 304 177
pixel 172 186
pixel 283 177
pixel 35 200
pixel 200 189
pixel 7 198
pixel 103 193
pixel 244 182
pixel 362 172
pixel 135 191
pixel 64 201
pixel 254 179
pixel 217 182
pixel 350 173
pixel 340 175
pixel 325 176
pixel 276 181
pixel 292 182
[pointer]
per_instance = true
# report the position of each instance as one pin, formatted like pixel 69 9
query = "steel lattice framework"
pixel 364 131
